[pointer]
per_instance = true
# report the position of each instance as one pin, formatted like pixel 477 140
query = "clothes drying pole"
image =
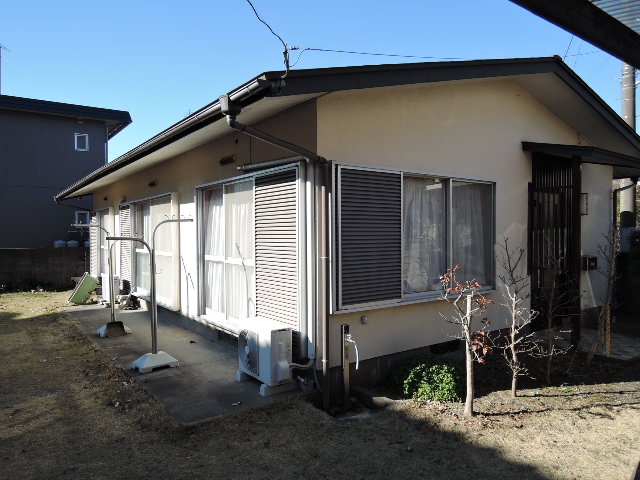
pixel 113 328
pixel 156 358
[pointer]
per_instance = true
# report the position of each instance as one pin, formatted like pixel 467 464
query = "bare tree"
pixel 556 297
pixel 467 304
pixel 515 291
pixel 608 253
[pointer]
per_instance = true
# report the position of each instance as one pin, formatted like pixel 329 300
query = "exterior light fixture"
pixel 584 204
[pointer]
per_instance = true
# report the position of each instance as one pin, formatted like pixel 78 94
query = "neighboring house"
pixel 44 146
pixel 383 177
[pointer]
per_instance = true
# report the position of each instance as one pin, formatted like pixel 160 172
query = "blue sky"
pixel 161 60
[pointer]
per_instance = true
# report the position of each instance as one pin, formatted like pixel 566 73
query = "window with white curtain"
pixel 446 223
pixel 472 236
pixel 102 217
pixel 229 266
pixel 443 222
pixel 425 234
pixel 147 215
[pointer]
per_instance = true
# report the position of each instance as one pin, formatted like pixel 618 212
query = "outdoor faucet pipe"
pixel 110 265
pixel 349 339
pixel 346 392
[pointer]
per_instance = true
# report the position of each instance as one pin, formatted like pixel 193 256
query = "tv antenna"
pixel 2 47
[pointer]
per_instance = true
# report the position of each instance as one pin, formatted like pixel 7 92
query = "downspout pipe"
pixel 616 201
pixel 232 110
pixel 278 142
pixel 627 196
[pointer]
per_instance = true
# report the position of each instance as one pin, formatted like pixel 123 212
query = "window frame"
pixel 139 248
pixel 404 298
pixel 222 320
pixel 102 220
pixel 448 182
pixel 82 217
pixel 78 147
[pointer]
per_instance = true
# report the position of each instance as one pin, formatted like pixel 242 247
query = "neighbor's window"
pixel 82 142
pixel 82 218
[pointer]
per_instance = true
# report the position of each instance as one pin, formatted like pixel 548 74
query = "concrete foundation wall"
pixel 53 266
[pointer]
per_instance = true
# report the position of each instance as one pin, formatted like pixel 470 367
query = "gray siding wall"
pixel 38 160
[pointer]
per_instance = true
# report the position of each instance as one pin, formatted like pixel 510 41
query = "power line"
pixel 565 53
pixel 284 44
pixel 369 53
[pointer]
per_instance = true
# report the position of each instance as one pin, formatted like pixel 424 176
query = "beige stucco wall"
pixel 470 129
pixel 596 181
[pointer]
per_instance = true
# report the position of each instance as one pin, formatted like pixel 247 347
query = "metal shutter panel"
pixel 370 236
pixel 125 248
pixel 276 256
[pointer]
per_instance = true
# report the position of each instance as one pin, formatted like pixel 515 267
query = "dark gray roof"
pixel 115 120
pixel 612 25
pixel 549 78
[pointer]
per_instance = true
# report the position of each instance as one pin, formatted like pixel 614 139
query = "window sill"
pixel 391 304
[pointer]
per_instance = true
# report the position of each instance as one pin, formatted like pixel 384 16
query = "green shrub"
pixel 429 377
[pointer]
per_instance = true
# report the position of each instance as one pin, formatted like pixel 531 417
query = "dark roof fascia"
pixel 590 23
pixel 115 120
pixel 249 93
pixel 326 80
pixel 588 153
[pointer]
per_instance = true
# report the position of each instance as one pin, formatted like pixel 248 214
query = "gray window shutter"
pixel 370 236
pixel 125 248
pixel 93 249
pixel 276 255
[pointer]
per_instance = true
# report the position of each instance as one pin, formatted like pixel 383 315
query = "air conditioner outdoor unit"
pixel 264 348
pixel 106 288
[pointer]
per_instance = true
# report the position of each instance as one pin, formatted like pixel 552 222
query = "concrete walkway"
pixel 202 387
pixel 623 347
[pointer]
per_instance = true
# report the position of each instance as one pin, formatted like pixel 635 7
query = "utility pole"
pixel 2 47
pixel 628 196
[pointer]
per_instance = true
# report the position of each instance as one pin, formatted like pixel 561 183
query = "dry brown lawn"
pixel 66 412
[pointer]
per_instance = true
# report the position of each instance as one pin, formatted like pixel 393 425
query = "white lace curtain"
pixel 472 227
pixel 229 251
pixel 425 245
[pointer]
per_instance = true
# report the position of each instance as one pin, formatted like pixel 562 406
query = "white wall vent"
pixel 264 349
